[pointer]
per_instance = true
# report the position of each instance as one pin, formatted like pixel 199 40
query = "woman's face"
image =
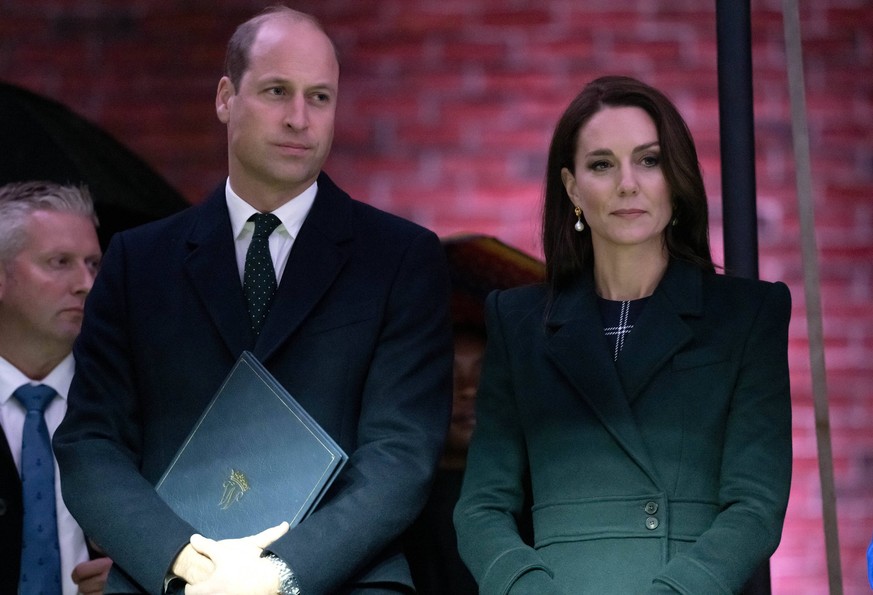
pixel 618 182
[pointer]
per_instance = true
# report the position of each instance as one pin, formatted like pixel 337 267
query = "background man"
pixel 357 331
pixel 49 256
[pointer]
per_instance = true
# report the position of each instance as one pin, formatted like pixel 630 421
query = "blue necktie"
pixel 40 554
pixel 259 277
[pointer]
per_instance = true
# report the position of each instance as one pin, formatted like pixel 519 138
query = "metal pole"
pixel 737 139
pixel 737 126
pixel 812 291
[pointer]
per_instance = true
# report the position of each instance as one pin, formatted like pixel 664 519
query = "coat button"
pixel 651 523
pixel 651 507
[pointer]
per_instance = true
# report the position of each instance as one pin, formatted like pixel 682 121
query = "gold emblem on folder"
pixel 234 487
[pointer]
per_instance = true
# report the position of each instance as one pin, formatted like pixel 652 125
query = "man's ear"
pixel 223 98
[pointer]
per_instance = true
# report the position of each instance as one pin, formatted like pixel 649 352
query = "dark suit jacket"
pixel 11 514
pixel 667 471
pixel 431 545
pixel 358 332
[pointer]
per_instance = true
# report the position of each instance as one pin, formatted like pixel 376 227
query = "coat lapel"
pixel 660 330
pixel 211 267
pixel 319 253
pixel 579 349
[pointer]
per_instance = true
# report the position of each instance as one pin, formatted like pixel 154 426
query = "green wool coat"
pixel 666 471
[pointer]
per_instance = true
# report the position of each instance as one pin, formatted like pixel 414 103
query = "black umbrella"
pixel 45 140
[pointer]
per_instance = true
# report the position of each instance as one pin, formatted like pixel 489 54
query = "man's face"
pixel 43 288
pixel 280 120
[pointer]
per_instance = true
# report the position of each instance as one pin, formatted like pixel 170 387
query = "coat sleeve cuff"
pixel 506 570
pixel 689 577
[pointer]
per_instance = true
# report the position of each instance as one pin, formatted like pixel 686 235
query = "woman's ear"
pixel 570 186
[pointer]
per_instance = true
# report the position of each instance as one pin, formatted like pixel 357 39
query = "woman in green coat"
pixel 637 405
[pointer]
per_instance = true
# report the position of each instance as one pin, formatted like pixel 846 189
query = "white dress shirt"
pixel 291 214
pixel 12 413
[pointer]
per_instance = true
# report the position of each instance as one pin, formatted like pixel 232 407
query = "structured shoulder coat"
pixel 667 470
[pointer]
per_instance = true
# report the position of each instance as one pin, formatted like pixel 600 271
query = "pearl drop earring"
pixel 579 225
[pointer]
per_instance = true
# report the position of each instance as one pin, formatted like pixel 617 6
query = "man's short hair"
pixel 19 199
pixel 236 60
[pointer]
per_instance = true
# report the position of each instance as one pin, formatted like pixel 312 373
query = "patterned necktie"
pixel 259 278
pixel 40 554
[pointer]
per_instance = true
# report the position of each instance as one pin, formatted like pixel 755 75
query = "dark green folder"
pixel 226 484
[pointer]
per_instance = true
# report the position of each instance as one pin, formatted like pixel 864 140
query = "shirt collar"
pixel 59 378
pixel 291 214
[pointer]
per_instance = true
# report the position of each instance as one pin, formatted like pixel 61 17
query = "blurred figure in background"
pixel 49 256
pixel 478 264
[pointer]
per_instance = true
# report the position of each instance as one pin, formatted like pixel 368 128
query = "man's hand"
pixel 90 576
pixel 239 568
pixel 192 566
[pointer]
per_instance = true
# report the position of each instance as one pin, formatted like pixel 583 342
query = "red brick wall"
pixel 446 111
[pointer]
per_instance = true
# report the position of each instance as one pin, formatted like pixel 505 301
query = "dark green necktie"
pixel 259 278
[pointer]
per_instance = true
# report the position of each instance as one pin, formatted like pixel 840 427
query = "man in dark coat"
pixel 357 331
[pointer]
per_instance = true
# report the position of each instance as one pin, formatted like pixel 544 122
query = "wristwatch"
pixel 288 584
